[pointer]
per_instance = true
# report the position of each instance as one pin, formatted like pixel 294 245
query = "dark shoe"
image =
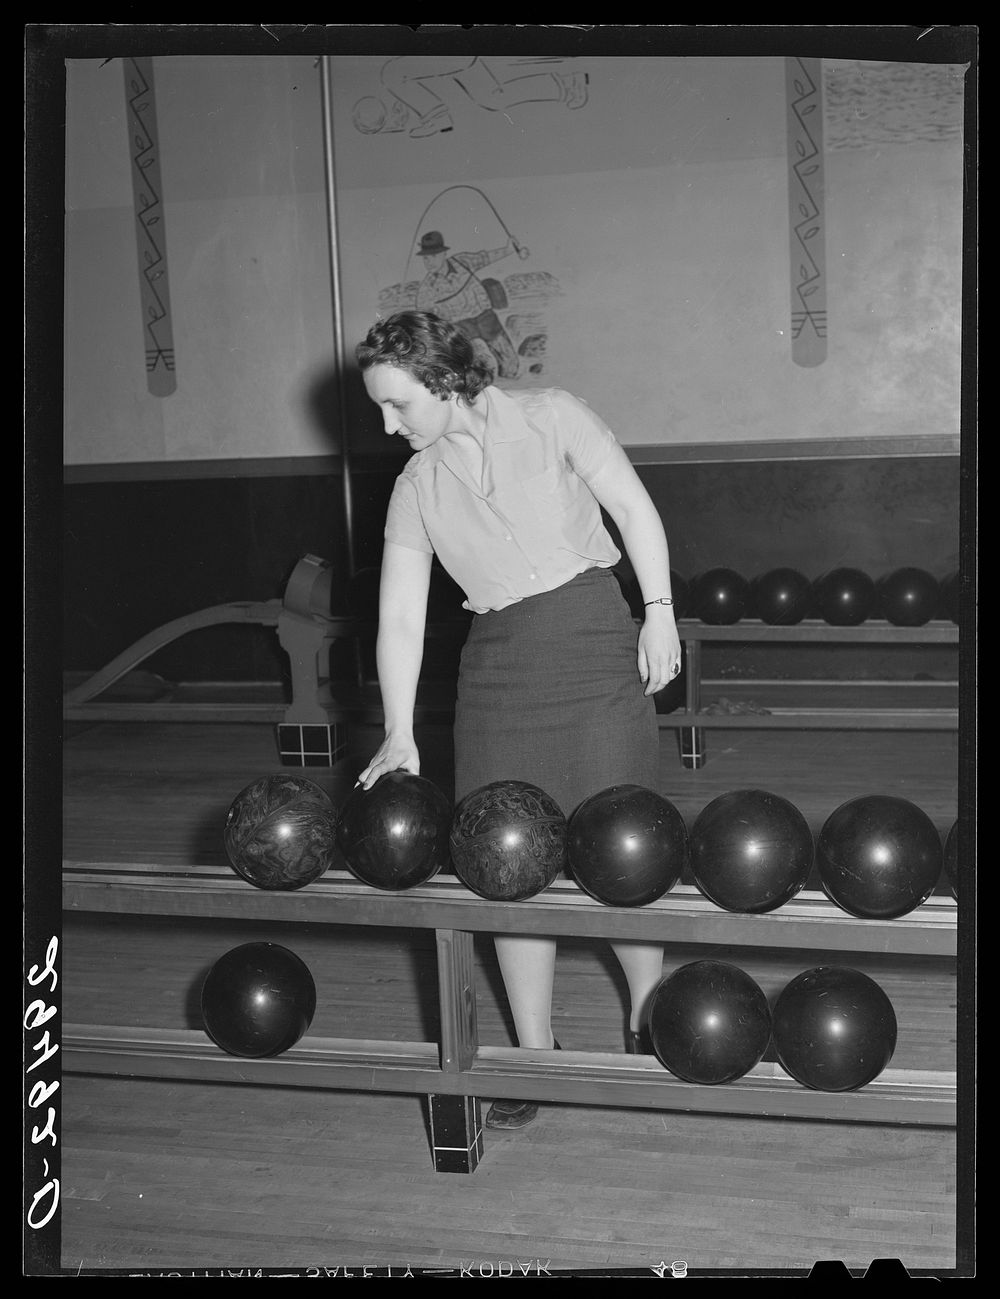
pixel 638 1043
pixel 514 1114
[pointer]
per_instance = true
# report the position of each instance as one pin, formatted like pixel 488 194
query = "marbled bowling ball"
pixel 834 1029
pixel 908 597
pixel 844 597
pixel 781 597
pixel 258 1000
pixel 508 840
pixel 394 836
pixel 280 832
pixel 627 845
pixel 710 1022
pixel 878 856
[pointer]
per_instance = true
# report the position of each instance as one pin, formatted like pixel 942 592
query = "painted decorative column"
pixel 151 230
pixel 806 215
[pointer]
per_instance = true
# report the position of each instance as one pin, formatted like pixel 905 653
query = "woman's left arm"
pixel 619 490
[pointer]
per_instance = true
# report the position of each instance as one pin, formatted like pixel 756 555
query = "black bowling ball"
pixel 394 836
pixel 878 856
pixel 908 597
pixel 508 840
pixel 627 845
pixel 844 597
pixel 258 1000
pixel 720 596
pixel 709 1022
pixel 751 851
pixel 834 1029
pixel 781 597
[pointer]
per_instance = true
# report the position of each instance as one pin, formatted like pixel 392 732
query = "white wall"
pixel 247 263
pixel 655 212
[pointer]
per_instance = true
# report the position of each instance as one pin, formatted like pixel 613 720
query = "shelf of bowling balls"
pixel 901 1097
pixel 684 915
pixel 863 704
pixel 816 630
pixel 143 697
pixel 873 631
pixel 459 1066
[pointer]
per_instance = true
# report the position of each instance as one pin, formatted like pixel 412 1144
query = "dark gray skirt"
pixel 549 693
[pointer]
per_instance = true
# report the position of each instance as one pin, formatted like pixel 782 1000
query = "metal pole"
pixel 338 318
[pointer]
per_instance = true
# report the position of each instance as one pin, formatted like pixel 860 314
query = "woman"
pixel 555 687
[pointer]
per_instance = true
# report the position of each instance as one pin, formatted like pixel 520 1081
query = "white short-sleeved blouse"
pixel 529 522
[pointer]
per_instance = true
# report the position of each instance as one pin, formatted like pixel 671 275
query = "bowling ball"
pixel 909 597
pixel 951 860
pixel 394 836
pixel 627 845
pixel 834 1029
pixel 508 840
pixel 844 597
pixel 709 1022
pixel 781 597
pixel 878 856
pixel 720 596
pixel 258 1000
pixel 750 850
pixel 280 832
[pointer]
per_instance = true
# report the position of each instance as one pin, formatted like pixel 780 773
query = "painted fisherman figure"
pixel 452 289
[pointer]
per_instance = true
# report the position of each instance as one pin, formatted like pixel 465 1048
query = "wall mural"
pixel 504 319
pixel 151 230
pixel 458 261
pixel 804 100
pixel 425 94
pixel 850 105
pixel 870 104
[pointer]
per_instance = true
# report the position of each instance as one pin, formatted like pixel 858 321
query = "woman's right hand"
pixel 394 754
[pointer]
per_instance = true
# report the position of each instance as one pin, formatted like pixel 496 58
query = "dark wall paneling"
pixel 876 515
pixel 139 554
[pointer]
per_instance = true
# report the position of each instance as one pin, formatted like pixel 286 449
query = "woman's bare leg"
pixel 528 968
pixel 643 966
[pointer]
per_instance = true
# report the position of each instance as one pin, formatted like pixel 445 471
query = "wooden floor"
pixel 168 1174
